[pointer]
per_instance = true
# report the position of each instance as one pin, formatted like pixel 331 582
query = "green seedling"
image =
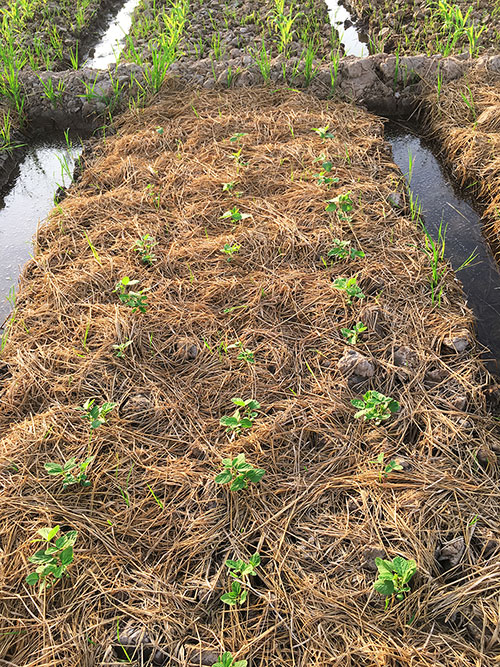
pixel 67 470
pixel 245 354
pixel 144 247
pixel 54 559
pixel 386 469
pixel 323 132
pixel 350 287
pixel 352 335
pixel 375 406
pixel 394 577
pixel 342 205
pixel 241 418
pixel 239 473
pixel 239 569
pixel 230 250
pixel 238 136
pixel 323 178
pixel 94 414
pixel 235 215
pixel 229 186
pixel 120 348
pixel 134 300
pixel 343 250
pixel 227 660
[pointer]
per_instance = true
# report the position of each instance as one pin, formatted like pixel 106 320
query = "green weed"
pixel 386 468
pixel 245 354
pixel 120 348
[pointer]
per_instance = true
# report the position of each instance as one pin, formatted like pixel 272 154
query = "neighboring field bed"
pixel 421 26
pixel 465 117
pixel 154 528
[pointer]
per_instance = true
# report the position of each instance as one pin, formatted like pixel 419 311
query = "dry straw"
pixel 320 514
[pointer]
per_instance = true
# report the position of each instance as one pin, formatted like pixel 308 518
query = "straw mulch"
pixel 465 117
pixel 321 514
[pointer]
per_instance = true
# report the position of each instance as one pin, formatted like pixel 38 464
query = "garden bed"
pixel 154 529
pixel 465 117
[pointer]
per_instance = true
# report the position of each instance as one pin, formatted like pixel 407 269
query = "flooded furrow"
pixel 354 44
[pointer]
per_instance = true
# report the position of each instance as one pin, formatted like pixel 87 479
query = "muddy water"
pixel 26 204
pixel 440 200
pixel 108 49
pixel 353 43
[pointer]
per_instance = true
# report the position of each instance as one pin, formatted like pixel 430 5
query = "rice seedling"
pixel 352 335
pixel 67 471
pixel 283 24
pixel 94 414
pixel 135 300
pixel 238 569
pixel 53 559
pixel 242 418
pixel 144 246
pixel 263 60
pixel 238 473
pixel 394 577
pixel 230 249
pixel 227 660
pixel 53 95
pixel 375 407
pixel 350 288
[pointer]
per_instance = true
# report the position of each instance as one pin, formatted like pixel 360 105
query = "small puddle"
pixel 354 44
pixel 440 200
pixel 48 163
pixel 107 50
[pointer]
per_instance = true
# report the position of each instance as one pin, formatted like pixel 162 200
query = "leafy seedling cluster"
pixel 227 660
pixel 54 559
pixel 134 300
pixel 352 335
pixel 343 250
pixel 243 417
pixel 144 246
pixel 394 577
pixel 96 414
pixel 120 348
pixel 238 473
pixel 67 470
pixel 244 354
pixel 350 287
pixel 342 205
pixel 375 406
pixel 235 215
pixel 323 132
pixel 238 569
pixel 230 249
pixel 386 468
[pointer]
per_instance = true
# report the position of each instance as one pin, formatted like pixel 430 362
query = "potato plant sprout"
pixel 240 571
pixel 53 559
pixel 238 473
pixel 375 406
pixel 394 577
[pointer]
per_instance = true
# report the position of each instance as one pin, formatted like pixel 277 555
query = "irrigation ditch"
pixel 243 184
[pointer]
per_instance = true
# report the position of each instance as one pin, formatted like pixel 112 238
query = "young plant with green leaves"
pixel 235 215
pixel 244 354
pixel 386 468
pixel 343 250
pixel 342 205
pixel 52 560
pixel 132 299
pixel 120 348
pixel 323 132
pixel 374 406
pixel 227 660
pixel 242 418
pixel 352 335
pixel 230 249
pixel 394 577
pixel 350 288
pixel 238 473
pixel 96 414
pixel 144 246
pixel 238 569
pixel 322 177
pixel 71 472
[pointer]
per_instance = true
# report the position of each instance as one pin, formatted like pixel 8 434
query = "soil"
pixel 155 570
